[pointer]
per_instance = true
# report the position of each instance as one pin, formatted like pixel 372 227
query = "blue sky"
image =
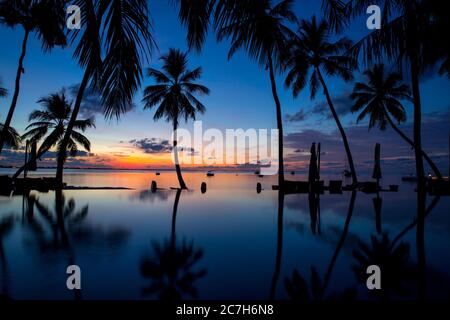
pixel 240 90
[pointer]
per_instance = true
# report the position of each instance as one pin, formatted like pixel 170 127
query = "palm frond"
pixel 195 16
pixel 12 138
pixel 81 140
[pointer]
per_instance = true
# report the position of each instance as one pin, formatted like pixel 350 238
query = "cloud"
pixel 92 102
pixel 152 145
pixel 16 158
pixel 342 105
pixel 296 117
pixel 396 154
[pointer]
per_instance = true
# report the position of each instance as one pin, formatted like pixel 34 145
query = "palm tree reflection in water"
pixel 399 273
pixel 171 266
pixel 69 230
pixel 297 287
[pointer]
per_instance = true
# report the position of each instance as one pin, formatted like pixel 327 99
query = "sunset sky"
pixel 240 98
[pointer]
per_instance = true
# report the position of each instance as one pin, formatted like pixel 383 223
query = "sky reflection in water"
pixel 225 244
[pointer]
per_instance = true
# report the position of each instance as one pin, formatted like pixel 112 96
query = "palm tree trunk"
pixel 341 129
pixel 279 123
pixel 63 148
pixel 29 162
pixel 174 218
pixel 427 158
pixel 175 154
pixel 327 276
pixel 16 91
pixel 413 55
pixel 276 273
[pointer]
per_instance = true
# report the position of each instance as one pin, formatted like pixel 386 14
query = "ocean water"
pixel 227 243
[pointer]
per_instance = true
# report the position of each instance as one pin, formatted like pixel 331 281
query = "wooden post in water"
pixel 203 187
pixel 154 186
pixel 26 158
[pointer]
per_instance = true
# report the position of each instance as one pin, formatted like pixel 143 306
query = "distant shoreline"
pixel 187 169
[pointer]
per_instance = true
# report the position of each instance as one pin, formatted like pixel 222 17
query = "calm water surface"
pixel 228 243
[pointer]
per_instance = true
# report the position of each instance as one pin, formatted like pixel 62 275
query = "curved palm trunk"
pixel 341 129
pixel 76 109
pixel 276 273
pixel 427 158
pixel 174 218
pixel 26 165
pixel 340 243
pixel 175 154
pixel 279 123
pixel 16 91
pixel 415 222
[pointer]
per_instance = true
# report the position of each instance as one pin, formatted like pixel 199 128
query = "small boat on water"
pixel 210 174
pixel 158 173
pixel 410 178
pixel 347 173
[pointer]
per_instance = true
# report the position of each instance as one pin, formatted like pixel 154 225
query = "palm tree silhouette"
pixel 50 125
pixel 394 262
pixel 276 273
pixel 409 36
pixel 297 287
pixel 12 138
pixel 110 48
pixel 170 269
pixel 259 27
pixel 47 20
pixel 174 94
pixel 6 226
pixel 380 99
pixel 311 52
pixel 404 39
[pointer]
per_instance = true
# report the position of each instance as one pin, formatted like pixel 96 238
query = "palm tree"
pixel 47 20
pixel 110 47
pixel 380 99
pixel 297 288
pixel 312 52
pixel 258 26
pixel 12 138
pixel 50 124
pixel 409 37
pixel 408 27
pixel 171 267
pixel 398 271
pixel 174 93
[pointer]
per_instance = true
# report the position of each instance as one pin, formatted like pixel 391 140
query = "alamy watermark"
pixel 73 19
pixel 251 147
pixel 374 20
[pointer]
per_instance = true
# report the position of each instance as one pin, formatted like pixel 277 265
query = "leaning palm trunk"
pixel 63 148
pixel 327 276
pixel 16 91
pixel 279 123
pixel 341 129
pixel 427 158
pixel 174 219
pixel 26 165
pixel 175 154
